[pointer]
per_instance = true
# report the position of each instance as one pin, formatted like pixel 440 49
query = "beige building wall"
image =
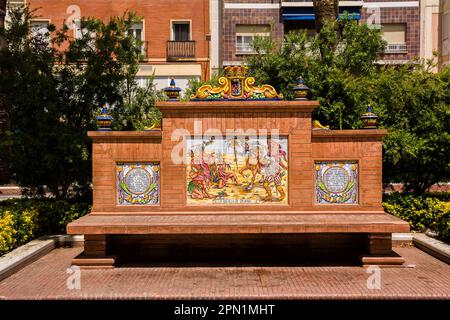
pixel 429 29
pixel 444 32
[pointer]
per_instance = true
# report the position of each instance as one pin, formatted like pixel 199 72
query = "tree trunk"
pixel 2 12
pixel 2 22
pixel 325 10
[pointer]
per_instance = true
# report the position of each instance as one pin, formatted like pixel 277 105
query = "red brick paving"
pixel 46 279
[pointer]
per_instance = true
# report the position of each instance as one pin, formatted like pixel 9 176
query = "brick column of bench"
pixel 95 245
pixel 380 251
pixel 96 253
pixel 380 243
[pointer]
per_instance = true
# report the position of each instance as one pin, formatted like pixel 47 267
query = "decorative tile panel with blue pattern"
pixel 336 182
pixel 138 183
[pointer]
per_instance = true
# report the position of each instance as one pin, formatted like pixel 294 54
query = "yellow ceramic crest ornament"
pixel 236 85
pixel 318 125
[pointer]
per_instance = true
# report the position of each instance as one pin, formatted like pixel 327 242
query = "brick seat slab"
pixel 210 223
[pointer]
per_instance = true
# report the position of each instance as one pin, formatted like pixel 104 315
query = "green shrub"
pixel 51 94
pixel 422 212
pixel 7 232
pixel 22 220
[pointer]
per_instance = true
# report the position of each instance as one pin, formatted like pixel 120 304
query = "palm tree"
pixel 325 10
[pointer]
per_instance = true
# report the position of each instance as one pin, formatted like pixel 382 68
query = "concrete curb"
pixel 10 191
pixel 33 250
pixel 402 239
pixel 436 248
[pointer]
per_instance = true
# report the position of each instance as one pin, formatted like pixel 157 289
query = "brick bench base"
pixel 99 230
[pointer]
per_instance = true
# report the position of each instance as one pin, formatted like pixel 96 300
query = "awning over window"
pixel 308 13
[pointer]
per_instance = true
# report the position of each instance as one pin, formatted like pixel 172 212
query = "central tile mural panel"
pixel 237 170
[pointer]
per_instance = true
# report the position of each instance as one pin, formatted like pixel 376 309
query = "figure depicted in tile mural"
pixel 274 167
pixel 238 170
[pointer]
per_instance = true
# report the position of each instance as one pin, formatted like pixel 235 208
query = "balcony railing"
pixel 144 50
pixel 396 48
pixel 244 48
pixel 180 50
pixel 349 2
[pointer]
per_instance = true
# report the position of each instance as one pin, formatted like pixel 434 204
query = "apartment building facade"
pixel 175 33
pixel 444 33
pixel 410 28
pixel 191 39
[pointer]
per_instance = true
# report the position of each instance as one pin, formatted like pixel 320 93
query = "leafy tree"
pixel 414 104
pixel 52 93
pixel 339 67
pixel 4 156
pixel 137 111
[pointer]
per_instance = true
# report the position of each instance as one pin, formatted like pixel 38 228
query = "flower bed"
pixel 428 212
pixel 22 220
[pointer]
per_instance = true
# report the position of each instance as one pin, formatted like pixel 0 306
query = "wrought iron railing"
pixel 180 50
pixel 312 1
pixel 244 48
pixel 144 50
pixel 396 48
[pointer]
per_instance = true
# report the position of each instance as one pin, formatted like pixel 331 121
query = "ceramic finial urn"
pixel 104 120
pixel 301 90
pixel 369 119
pixel 172 91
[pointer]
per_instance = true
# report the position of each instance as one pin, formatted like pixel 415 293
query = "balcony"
pixel 396 48
pixel 180 50
pixel 309 3
pixel 144 51
pixel 244 48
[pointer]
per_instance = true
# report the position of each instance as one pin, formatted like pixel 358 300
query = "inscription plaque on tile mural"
pixel 237 170
pixel 138 183
pixel 336 182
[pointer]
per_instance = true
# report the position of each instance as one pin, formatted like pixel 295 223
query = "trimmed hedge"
pixel 429 211
pixel 22 220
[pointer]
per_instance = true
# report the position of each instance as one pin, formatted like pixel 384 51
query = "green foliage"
pixel 7 233
pixel 415 106
pixel 22 220
pixel 338 64
pixel 137 111
pixel 194 84
pixel 53 92
pixel 422 212
pixel 280 65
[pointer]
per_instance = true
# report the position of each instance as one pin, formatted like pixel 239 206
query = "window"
pixel 40 29
pixel 245 34
pixel 80 32
pixel 12 4
pixel 181 31
pixel 137 31
pixel 445 33
pixel 395 36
